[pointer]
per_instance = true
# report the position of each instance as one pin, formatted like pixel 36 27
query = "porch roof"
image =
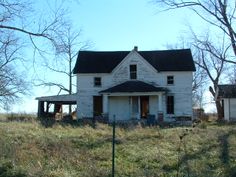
pixel 134 86
pixel 61 99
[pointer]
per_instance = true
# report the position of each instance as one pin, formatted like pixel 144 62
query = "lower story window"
pixel 170 105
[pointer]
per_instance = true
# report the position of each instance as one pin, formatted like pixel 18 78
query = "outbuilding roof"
pixel 63 99
pixel 227 91
pixel 134 86
pixel 106 61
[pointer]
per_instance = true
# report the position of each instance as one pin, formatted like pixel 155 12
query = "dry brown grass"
pixel 206 150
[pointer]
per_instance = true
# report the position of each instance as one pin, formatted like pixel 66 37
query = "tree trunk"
pixel 70 76
pixel 219 109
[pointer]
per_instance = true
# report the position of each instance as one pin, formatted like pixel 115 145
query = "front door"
pixel 144 103
pixel 97 105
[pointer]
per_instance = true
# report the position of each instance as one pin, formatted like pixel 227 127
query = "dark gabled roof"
pixel 134 86
pixel 98 62
pixel 105 62
pixel 227 91
pixel 170 60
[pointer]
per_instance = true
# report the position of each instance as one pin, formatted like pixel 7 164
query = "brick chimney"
pixel 136 48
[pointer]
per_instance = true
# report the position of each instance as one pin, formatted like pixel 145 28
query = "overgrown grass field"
pixel 29 149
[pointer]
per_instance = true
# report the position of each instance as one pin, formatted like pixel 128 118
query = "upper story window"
pixel 133 71
pixel 170 80
pixel 97 81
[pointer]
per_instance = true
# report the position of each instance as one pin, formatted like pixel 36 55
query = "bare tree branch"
pixel 13 84
pixel 218 13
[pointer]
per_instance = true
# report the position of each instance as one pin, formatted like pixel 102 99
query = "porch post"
pixel 40 108
pixel 105 104
pixel 131 107
pixel 139 107
pixel 160 102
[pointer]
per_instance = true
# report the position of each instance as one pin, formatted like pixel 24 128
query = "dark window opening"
pixel 97 81
pixel 97 105
pixel 170 80
pixel 133 71
pixel 170 105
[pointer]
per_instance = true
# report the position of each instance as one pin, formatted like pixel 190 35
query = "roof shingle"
pixel 105 62
pixel 133 86
pixel 227 91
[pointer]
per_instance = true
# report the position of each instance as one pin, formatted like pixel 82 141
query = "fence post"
pixel 113 145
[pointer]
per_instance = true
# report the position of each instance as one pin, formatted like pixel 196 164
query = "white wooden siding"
pixel 119 107
pixel 153 105
pixel 181 89
pixel 226 109
pixel 232 109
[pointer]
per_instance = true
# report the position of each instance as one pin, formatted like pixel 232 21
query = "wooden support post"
pixel 113 145
pixel 40 108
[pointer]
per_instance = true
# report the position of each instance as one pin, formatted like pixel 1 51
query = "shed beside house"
pixel 52 106
pixel 227 94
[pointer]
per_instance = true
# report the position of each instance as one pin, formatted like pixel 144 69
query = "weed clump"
pixel 7 169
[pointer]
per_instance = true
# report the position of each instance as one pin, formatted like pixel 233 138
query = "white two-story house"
pixel 133 84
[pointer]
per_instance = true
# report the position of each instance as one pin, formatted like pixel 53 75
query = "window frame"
pixel 170 104
pixel 97 81
pixel 170 80
pixel 133 73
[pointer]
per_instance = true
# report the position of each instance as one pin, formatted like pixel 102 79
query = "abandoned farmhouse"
pixel 130 85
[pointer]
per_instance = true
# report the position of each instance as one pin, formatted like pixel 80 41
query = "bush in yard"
pixel 7 170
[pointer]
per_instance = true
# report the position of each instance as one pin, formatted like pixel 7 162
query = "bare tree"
pixel 198 86
pixel 211 58
pixel 68 43
pixel 218 13
pixel 17 12
pixel 231 76
pixel 12 85
pixel 18 26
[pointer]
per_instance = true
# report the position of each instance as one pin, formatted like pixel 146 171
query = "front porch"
pixel 133 106
pixel 133 100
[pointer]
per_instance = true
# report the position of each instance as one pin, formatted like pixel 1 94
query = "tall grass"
pixel 33 150
pixel 25 117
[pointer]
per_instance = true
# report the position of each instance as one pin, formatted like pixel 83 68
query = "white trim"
pixel 105 104
pixel 122 61
pixel 66 97
pixel 160 107
pixel 135 72
pixel 93 74
pixel 133 93
pixel 133 52
pixel 168 80
pixel 146 62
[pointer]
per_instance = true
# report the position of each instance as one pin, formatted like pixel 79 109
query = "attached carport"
pixel 46 103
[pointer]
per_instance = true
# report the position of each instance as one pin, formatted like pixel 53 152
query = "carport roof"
pixel 62 99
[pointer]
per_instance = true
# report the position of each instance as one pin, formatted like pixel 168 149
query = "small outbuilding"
pixel 52 106
pixel 227 94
